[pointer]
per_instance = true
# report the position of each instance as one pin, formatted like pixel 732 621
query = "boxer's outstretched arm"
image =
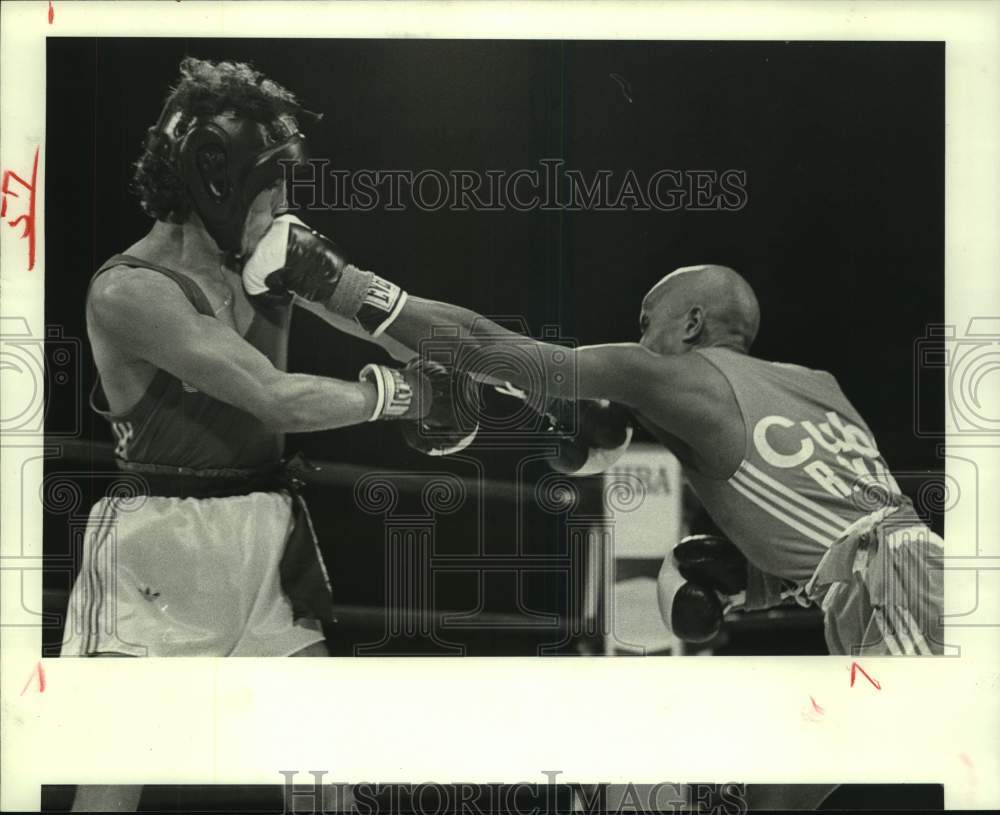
pixel 394 348
pixel 623 372
pixel 683 394
pixel 148 316
pixel 482 346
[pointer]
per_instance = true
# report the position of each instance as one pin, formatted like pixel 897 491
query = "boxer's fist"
pixel 451 422
pixel 292 259
pixel 712 561
pixel 704 577
pixel 602 433
pixel 696 613
pixel 447 419
pixel 692 612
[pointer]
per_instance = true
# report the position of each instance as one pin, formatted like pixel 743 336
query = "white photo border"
pixel 511 719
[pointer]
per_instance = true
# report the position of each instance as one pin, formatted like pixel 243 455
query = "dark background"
pixel 498 798
pixel 842 235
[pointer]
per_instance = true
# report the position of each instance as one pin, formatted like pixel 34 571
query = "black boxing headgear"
pixel 225 160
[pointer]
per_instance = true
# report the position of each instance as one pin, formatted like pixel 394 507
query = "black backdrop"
pixel 842 234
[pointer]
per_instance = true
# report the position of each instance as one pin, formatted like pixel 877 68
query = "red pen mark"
pixel 967 761
pixel 855 668
pixel 52 13
pixel 29 217
pixel 40 673
pixel 814 713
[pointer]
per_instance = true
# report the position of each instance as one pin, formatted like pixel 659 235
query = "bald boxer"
pixel 779 457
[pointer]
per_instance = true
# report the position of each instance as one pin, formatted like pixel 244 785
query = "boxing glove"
pixel 696 613
pixel 452 421
pixel 592 435
pixel 690 611
pixel 703 578
pixel 712 561
pixel 292 259
pixel 437 405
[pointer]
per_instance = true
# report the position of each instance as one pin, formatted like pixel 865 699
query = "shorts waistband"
pixel 841 560
pixel 182 482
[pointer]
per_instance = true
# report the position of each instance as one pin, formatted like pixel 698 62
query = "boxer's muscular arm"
pixel 683 394
pixel 395 349
pixel 147 316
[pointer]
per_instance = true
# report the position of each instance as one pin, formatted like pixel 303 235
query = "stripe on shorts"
pixel 95 600
pixel 900 632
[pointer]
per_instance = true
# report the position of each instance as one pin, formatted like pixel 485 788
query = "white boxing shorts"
pixel 185 577
pixel 881 588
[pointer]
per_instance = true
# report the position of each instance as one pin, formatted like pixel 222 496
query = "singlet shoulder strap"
pixel 191 290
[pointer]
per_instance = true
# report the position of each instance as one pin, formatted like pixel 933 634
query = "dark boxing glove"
pixel 703 578
pixel 696 613
pixel 452 422
pixel 689 611
pixel 712 561
pixel 592 435
pixel 292 259
pixel 438 405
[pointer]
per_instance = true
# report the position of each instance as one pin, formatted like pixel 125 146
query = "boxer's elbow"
pixel 273 412
pixel 624 373
pixel 281 416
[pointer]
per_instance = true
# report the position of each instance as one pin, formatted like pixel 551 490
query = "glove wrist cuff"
pixel 383 301
pixel 394 394
pixel 371 301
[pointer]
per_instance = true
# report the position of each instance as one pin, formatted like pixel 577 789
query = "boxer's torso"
pixel 809 465
pixel 158 419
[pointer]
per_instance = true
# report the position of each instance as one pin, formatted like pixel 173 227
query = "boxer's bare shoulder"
pixel 122 303
pixel 684 394
pixel 145 321
pixel 125 292
pixel 140 321
pixel 684 387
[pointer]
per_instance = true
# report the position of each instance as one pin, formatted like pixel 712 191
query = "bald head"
pixel 700 306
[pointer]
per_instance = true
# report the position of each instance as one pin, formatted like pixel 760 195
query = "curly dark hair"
pixel 205 88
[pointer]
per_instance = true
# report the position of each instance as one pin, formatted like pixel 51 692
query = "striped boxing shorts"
pixel 181 576
pixel 881 588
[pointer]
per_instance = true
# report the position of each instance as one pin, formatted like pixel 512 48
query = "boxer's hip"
pixel 881 587
pixel 185 577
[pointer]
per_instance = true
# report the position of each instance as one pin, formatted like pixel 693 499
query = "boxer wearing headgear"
pixel 226 161
pixel 192 379
pixel 216 556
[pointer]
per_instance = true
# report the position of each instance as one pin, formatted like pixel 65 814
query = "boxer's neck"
pixel 732 343
pixel 186 247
